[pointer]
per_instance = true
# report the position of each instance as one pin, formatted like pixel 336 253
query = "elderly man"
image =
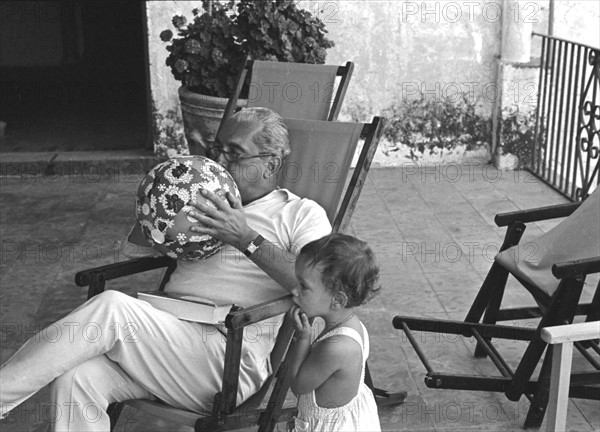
pixel 140 352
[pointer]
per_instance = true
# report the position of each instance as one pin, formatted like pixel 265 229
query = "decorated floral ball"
pixel 162 205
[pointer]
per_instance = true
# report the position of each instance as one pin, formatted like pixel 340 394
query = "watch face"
pixel 250 249
pixel 253 246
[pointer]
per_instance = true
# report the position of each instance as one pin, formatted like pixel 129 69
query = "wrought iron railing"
pixel 568 117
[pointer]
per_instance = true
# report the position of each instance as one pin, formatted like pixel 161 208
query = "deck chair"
pixel 328 143
pixel 294 90
pixel 554 274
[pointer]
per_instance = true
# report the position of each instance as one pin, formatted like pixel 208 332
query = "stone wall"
pixel 400 48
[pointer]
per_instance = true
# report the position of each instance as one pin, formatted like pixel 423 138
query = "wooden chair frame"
pixel 485 312
pixel 344 72
pixel 371 133
pixel 226 415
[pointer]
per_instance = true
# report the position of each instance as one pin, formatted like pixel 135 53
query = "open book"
pixel 186 307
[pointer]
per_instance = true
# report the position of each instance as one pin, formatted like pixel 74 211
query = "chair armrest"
pixel 571 332
pixel 244 317
pixel 537 214
pixel 124 268
pixel 577 267
pixel 226 400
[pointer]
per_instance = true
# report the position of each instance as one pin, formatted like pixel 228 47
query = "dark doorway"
pixel 73 76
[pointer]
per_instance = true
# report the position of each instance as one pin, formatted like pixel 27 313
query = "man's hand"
pixel 226 222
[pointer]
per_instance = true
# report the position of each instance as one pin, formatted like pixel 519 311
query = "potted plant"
pixel 210 51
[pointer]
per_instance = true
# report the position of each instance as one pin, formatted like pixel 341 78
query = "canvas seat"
pixel 554 268
pixel 333 184
pixel 573 239
pixel 293 90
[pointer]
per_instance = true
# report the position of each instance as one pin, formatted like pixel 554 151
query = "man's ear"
pixel 274 166
pixel 339 300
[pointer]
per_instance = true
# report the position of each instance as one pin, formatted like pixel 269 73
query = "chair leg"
pixel 272 413
pixel 489 297
pixel 495 279
pixel 594 315
pixel 562 310
pixel 538 406
pixel 492 289
pixel 114 411
pixel 383 397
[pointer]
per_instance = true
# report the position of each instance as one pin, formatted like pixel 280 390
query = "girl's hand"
pixel 301 347
pixel 301 322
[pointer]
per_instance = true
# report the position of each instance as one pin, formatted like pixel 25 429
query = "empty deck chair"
pixel 553 268
pixel 294 90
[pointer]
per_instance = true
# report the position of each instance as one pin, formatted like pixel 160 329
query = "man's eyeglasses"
pixel 232 156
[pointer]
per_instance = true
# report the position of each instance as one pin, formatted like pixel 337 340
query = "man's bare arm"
pixel 228 223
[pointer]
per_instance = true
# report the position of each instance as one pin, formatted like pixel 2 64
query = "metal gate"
pixel 568 117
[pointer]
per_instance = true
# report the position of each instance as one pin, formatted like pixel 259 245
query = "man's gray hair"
pixel 273 137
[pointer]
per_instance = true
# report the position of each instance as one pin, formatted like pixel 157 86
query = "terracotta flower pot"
pixel 202 115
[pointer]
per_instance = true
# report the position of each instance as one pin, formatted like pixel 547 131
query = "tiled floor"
pixel 431 228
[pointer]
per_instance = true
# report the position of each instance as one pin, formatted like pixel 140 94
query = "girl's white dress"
pixel 360 414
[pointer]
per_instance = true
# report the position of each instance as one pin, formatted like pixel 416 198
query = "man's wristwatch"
pixel 254 245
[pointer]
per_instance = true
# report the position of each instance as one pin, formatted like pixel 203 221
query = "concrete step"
pixel 95 165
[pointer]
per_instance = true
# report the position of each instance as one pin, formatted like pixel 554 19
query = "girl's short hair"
pixel 347 264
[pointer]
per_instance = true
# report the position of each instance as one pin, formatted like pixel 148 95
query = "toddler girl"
pixel 335 274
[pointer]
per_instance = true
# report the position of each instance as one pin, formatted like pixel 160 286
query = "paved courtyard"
pixel 430 226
